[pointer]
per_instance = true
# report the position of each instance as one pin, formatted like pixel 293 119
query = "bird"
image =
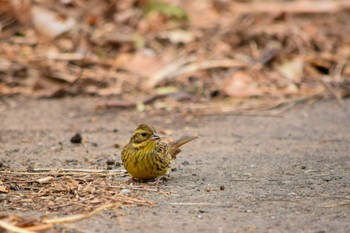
pixel 146 157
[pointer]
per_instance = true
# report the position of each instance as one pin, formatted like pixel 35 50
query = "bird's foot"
pixel 159 179
pixel 132 180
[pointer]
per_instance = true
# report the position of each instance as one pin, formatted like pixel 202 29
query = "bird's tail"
pixel 175 146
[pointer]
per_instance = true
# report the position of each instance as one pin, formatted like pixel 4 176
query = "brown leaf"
pixel 4 189
pixel 50 24
pixel 144 64
pixel 241 85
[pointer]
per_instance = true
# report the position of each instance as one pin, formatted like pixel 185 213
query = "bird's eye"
pixel 144 134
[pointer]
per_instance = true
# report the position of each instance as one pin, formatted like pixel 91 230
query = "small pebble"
pixel 327 179
pixel 76 138
pixel 222 187
pixel 110 161
pixel 95 144
pixel 185 163
pixel 125 191
pixel 110 164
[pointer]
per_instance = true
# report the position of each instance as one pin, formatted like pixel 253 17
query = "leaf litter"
pixel 69 193
pixel 214 50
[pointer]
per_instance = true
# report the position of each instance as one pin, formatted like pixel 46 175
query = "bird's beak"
pixel 155 137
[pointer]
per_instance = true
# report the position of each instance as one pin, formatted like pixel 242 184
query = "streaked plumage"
pixel 146 157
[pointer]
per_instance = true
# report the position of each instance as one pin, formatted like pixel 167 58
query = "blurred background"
pixel 68 67
pixel 216 56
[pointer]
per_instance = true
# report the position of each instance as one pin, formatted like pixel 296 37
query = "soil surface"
pixel 244 173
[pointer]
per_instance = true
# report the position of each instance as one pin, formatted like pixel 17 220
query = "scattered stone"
pixel 327 179
pixel 95 144
pixel 185 163
pixel 76 138
pixel 110 164
pixel 125 191
pixel 222 187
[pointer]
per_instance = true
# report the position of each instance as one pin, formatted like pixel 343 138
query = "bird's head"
pixel 144 136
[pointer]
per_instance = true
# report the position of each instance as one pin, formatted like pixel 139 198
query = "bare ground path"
pixel 244 174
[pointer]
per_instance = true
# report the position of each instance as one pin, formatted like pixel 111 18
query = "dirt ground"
pixel 244 174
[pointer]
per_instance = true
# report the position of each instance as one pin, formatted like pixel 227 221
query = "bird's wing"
pixel 162 148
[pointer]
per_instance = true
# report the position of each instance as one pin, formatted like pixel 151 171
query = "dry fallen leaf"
pixel 3 189
pixel 292 70
pixel 50 24
pixel 144 63
pixel 241 84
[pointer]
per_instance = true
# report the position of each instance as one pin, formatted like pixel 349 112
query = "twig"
pixel 334 93
pixel 339 69
pixel 167 71
pixel 40 181
pixel 289 104
pixel 49 223
pixel 183 68
pixel 56 172
pixel 76 170
pixel 274 109
pixel 12 228
pixel 79 217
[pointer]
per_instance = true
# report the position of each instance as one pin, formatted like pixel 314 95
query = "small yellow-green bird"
pixel 146 157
